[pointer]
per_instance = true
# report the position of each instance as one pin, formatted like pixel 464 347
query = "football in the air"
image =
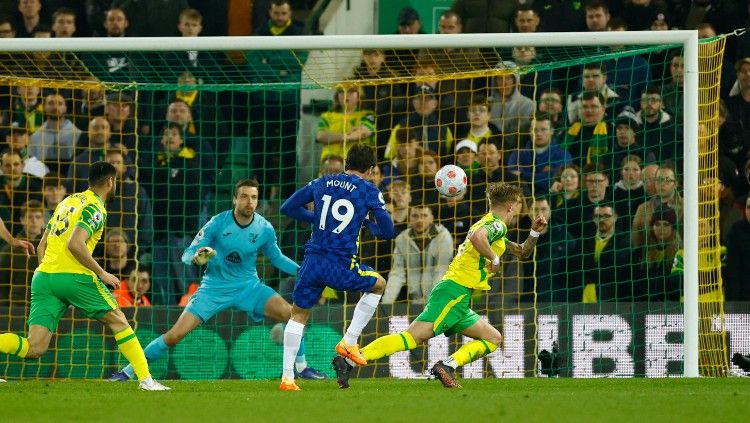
pixel 451 181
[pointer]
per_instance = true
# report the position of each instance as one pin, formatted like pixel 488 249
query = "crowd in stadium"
pixel 596 145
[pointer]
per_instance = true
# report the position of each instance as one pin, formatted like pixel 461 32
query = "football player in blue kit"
pixel 229 243
pixel 342 202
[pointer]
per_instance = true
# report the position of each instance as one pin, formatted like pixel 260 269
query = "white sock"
pixel 300 365
pixel 292 338
pixel 450 362
pixel 362 314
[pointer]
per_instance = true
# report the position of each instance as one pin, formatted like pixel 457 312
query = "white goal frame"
pixel 688 40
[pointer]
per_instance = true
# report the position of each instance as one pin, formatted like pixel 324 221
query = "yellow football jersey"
pixel 84 209
pixel 341 124
pixel 468 268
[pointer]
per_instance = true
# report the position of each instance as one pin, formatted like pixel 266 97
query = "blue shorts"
pixel 206 303
pixel 318 271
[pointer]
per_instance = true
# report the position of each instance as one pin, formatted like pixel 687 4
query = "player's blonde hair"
pixel 501 192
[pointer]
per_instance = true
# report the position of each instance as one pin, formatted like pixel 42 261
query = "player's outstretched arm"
pixel 382 225
pixel 77 247
pixel 524 250
pixel 294 206
pixel 202 240
pixel 279 260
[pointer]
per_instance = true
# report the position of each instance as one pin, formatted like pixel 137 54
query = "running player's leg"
pixel 202 306
pixel 486 339
pixel 46 311
pixel 278 309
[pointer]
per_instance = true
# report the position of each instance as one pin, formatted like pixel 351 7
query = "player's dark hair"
pixel 501 192
pixel 360 158
pixel 99 172
pixel 247 182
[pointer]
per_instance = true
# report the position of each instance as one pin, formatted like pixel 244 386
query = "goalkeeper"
pixel 447 310
pixel 234 237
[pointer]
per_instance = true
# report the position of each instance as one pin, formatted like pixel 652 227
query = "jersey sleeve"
pixel 92 219
pixel 203 238
pixel 368 121
pixel 294 206
pixel 273 252
pixel 496 230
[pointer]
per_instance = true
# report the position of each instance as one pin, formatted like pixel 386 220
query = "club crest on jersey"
pixel 233 257
pixel 253 238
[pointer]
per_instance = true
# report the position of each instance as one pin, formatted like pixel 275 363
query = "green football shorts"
pixel 52 293
pixel 448 309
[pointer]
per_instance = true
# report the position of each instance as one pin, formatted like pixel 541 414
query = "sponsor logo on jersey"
pixel 234 257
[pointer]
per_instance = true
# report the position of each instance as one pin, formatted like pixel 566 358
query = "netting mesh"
pixel 592 135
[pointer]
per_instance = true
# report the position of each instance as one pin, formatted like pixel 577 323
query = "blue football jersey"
pixel 237 247
pixel 342 203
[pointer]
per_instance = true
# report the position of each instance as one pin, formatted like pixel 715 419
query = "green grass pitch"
pixel 383 400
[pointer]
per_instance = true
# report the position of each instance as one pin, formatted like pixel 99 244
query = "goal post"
pixel 277 116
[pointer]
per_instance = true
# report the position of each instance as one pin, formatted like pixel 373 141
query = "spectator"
pixel 602 272
pixel 404 165
pixel 739 97
pixel 629 192
pixel 566 186
pixel 421 257
pixel 589 139
pixel 666 195
pixel 17 139
pixel 119 109
pixel 99 139
pixel 54 142
pixel 202 64
pixel 30 17
pixel 597 15
pixel 132 292
pixel 332 165
pixel 648 175
pixel 627 141
pixel 54 192
pixel 576 213
pixel 152 18
pixel 530 82
pixel 731 144
pixel 129 209
pixel 16 268
pixel 18 189
pixel 553 248
pixel 346 125
pixel 376 177
pixel 628 75
pixel 400 61
pixel 112 66
pixel 480 128
pixel 173 176
pixel 424 183
pixel 490 170
pixel 738 265
pixel 672 93
pixel 527 20
pixel 729 213
pixel 711 264
pixel 639 14
pixel 399 196
pixel 550 102
pixel 198 132
pixel 593 79
pixel 485 17
pixel 511 112
pixel 658 130
pixel 374 251
pixel 560 16
pixel 654 261
pixel 91 103
pixel 466 157
pixel 540 159
pixel 280 20
pixel 455 214
pixel 118 259
pixel 7 28
pixel 425 120
pixel 28 109
pixel 385 100
pixel 64 22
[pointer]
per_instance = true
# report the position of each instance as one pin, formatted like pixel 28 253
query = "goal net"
pixel 626 282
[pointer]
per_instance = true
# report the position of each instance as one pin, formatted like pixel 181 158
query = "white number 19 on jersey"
pixel 344 219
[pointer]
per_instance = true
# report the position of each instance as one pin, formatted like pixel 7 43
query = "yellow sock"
pixel 13 344
pixel 388 345
pixel 132 351
pixel 472 351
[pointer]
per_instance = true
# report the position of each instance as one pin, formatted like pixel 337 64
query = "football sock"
pixel 362 314
pixel 153 351
pixel 300 362
pixel 131 349
pixel 13 344
pixel 469 352
pixel 388 345
pixel 292 340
